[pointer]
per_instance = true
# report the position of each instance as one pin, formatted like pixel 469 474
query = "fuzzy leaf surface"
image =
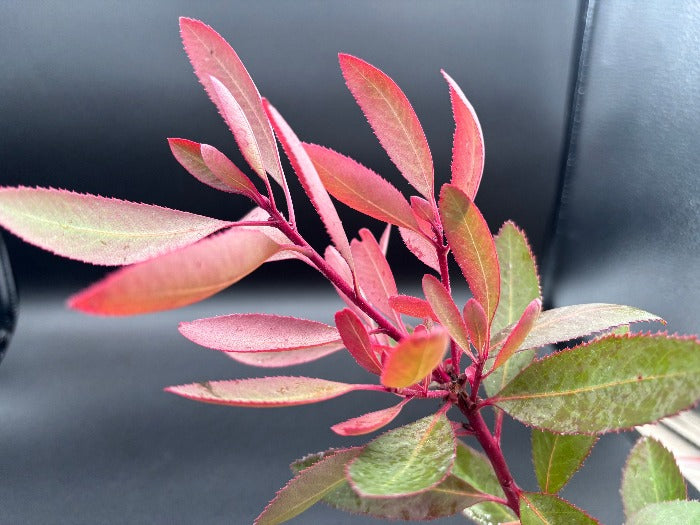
pixel 407 460
pixel 212 56
pixel 369 422
pixel 468 145
pixel 666 513
pixel 307 488
pixel 472 246
pixel 446 310
pixel 546 509
pixel 421 247
pixel 373 272
pixel 414 357
pixel 227 172
pixel 518 333
pixel 557 457
pixel 258 333
pixel 98 230
pixel 178 278
pixel 284 358
pixel 638 379
pixel 393 120
pixel 263 392
pixel 348 181
pixel 412 306
pixel 651 475
pixel 357 340
pixel 477 324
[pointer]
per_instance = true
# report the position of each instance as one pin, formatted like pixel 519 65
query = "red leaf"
pixel 446 311
pixel 227 172
pixel 393 120
pixel 369 422
pixel 423 209
pixel 477 324
pixel 414 357
pixel 519 332
pixel 281 359
pixel 258 333
pixel 373 272
pixel 413 306
pixel 212 56
pixel 96 229
pixel 356 339
pixel 468 147
pixel 310 181
pixel 340 265
pixel 349 181
pixel 472 245
pixel 263 392
pixel 422 248
pixel 178 278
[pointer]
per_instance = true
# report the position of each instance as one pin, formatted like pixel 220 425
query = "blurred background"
pixel 591 123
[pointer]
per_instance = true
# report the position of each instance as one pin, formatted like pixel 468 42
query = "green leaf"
pixel 545 509
pixel 650 476
pixel 668 512
pixel 609 384
pixel 446 499
pixel 557 457
pixel 498 379
pixel 406 460
pixel 312 484
pixel 520 283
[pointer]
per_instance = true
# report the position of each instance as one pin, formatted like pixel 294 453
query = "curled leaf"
pixel 369 422
pixel 477 324
pixel 518 333
pixel 445 310
pixel 357 340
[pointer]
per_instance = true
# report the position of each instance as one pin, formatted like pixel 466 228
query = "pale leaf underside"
pixel 421 247
pixel 284 358
pixel 667 513
pixel 369 422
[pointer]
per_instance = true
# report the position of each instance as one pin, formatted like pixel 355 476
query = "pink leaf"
pixel 445 310
pixel 310 181
pixel 96 229
pixel 369 422
pixel 264 392
pixel 212 56
pixel 468 148
pixel 219 173
pixel 178 278
pixel 413 306
pixel 422 248
pixel 357 340
pixel 393 120
pixel 258 214
pixel 340 265
pixel 472 245
pixel 519 332
pixel 281 359
pixel 477 324
pixel 414 358
pixel 423 209
pixel 384 239
pixel 258 333
pixel 349 181
pixel 373 272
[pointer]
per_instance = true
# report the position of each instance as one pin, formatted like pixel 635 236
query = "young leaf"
pixel 309 487
pixel 519 332
pixel 357 341
pixel 393 120
pixel 178 278
pixel 520 283
pixel 477 324
pixel 264 392
pixel 422 209
pixel 421 247
pixel 310 181
pixel 413 306
pixel 222 175
pixel 348 181
pixel 572 322
pixel 545 509
pixel 384 240
pixel 212 56
pixel 96 229
pixel 468 146
pixel 472 246
pixel 445 310
pixel 406 460
pixel 668 512
pixel 284 358
pixel 557 457
pixel 414 358
pixel 258 333
pixel 651 475
pixel 369 422
pixel 340 265
pixel 373 272
pixel 638 379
